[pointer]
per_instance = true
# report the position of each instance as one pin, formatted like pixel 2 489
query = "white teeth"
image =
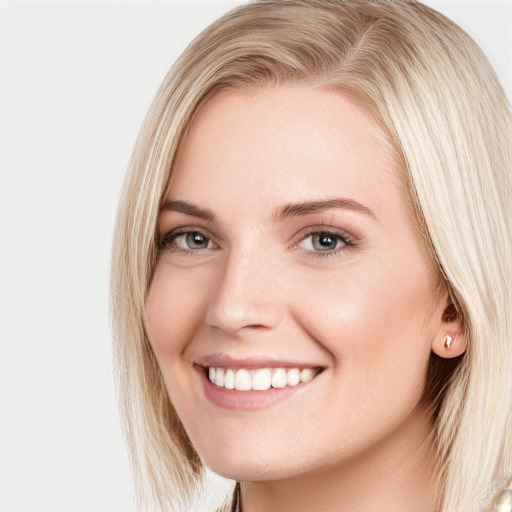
pixel 306 374
pixel 219 377
pixel 260 379
pixel 242 380
pixel 229 379
pixel 293 377
pixel 279 378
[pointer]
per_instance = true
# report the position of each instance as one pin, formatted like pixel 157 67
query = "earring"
pixel 448 341
pixel 502 500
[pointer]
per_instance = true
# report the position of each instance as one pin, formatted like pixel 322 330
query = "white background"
pixel 76 80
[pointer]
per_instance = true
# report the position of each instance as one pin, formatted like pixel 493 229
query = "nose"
pixel 247 295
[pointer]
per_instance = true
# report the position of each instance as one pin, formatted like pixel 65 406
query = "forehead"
pixel 285 141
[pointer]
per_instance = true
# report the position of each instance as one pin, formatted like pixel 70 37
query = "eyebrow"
pixel 281 212
pixel 308 207
pixel 188 209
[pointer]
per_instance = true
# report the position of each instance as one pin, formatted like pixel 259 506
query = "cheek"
pixel 172 314
pixel 173 309
pixel 377 324
pixel 374 302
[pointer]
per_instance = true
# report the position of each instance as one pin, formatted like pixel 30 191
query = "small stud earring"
pixel 448 341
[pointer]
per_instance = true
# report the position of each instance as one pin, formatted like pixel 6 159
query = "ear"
pixel 450 340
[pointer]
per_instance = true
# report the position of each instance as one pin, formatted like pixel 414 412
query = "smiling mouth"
pixel 260 379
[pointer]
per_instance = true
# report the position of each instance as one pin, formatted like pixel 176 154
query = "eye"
pixel 192 240
pixel 186 241
pixel 323 241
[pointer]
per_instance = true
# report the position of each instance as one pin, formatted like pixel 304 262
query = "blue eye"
pixel 194 240
pixel 187 241
pixel 323 241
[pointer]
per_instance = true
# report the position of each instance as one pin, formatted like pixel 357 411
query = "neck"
pixel 396 475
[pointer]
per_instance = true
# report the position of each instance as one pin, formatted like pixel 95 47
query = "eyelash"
pixel 166 241
pixel 336 234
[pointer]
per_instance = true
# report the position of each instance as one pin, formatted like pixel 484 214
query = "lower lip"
pixel 247 400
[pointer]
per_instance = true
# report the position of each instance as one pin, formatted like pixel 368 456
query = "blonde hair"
pixel 438 101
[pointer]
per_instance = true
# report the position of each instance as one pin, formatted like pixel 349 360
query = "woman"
pixel 312 265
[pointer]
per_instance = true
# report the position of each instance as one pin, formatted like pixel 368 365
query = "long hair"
pixel 438 102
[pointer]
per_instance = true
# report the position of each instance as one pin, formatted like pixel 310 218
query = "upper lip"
pixel 252 362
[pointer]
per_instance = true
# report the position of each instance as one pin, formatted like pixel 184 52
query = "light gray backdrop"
pixel 76 80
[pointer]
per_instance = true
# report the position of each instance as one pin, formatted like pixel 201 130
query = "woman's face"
pixel 287 252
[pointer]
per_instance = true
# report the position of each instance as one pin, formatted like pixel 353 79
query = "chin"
pixel 248 471
pixel 253 465
pixel 243 465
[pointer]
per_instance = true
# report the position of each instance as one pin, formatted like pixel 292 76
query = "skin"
pixel 369 312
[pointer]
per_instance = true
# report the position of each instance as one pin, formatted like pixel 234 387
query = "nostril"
pixel 244 314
